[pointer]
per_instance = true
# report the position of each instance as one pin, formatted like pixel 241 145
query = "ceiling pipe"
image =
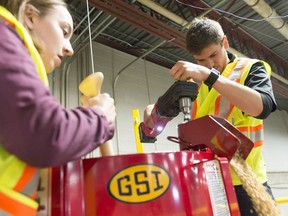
pixel 263 9
pixel 175 18
pixel 170 15
pixel 163 11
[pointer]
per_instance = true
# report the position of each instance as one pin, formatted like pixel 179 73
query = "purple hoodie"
pixel 33 125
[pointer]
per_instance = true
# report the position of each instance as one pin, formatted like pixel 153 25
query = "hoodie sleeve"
pixel 33 125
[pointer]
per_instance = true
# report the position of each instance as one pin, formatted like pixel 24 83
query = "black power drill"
pixel 177 98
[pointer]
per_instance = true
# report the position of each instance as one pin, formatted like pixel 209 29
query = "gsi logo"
pixel 139 183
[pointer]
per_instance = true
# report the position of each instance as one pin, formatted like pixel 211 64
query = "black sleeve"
pixel 259 80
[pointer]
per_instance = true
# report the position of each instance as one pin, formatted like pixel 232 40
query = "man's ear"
pixel 225 42
pixel 31 16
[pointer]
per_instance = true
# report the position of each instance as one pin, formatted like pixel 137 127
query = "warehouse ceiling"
pixel 155 30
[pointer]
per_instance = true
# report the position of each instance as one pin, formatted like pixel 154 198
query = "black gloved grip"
pixel 168 104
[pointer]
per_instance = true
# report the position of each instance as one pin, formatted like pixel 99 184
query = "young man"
pixel 237 89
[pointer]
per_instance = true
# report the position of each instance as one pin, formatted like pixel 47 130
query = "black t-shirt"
pixel 259 80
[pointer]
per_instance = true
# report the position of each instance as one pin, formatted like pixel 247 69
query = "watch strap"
pixel 212 78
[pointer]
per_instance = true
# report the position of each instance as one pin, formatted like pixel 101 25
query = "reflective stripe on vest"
pixel 18 185
pixel 15 203
pixel 212 103
pixel 18 181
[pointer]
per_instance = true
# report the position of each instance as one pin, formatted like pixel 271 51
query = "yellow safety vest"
pixel 212 103
pixel 18 181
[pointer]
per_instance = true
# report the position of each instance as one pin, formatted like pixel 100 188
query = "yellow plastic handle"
pixel 91 85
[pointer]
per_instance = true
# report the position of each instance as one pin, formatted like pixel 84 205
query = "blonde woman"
pixel 35 130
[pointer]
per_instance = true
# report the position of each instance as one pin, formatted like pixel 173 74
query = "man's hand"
pixel 184 70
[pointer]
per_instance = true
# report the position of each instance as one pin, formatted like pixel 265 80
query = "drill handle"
pixel 147 134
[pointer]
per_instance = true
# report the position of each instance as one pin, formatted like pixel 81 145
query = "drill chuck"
pixel 185 104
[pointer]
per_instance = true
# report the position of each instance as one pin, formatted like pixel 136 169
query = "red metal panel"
pixel 188 192
pixel 68 190
pixel 217 134
pixel 230 192
pixel 57 191
pixel 170 183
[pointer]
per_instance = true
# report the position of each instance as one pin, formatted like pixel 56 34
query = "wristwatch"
pixel 213 76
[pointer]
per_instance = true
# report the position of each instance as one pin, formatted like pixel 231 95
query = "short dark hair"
pixel 202 33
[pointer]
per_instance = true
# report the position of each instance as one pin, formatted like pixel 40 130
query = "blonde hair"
pixel 16 7
pixel 12 5
pixel 42 7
